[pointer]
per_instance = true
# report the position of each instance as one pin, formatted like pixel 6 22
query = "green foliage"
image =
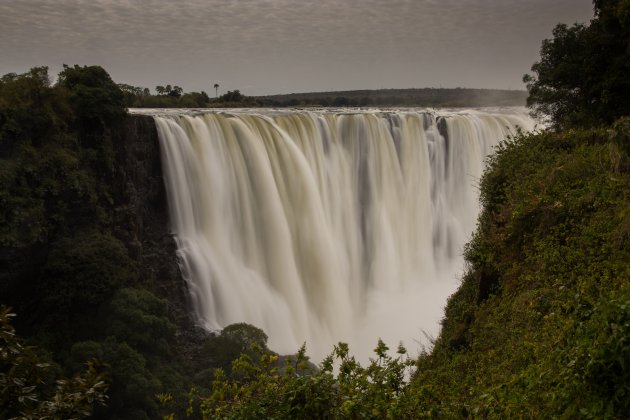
pixel 65 271
pixel 132 382
pixel 245 335
pixel 582 76
pixel 32 122
pixel 98 105
pixel 30 110
pixel 55 199
pixel 135 343
pixel 44 190
pixel 93 94
pixel 52 140
pixel 232 96
pixel 234 340
pixel 24 380
pixel 167 97
pixel 298 390
pixel 599 358
pixel 141 319
pixel 84 271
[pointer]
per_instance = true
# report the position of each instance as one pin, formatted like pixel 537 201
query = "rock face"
pixel 141 220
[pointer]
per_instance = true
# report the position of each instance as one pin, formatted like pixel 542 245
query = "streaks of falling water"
pixel 326 226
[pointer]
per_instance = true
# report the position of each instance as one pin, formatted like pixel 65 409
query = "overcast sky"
pixel 284 46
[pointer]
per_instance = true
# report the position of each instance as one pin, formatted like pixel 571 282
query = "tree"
pixel 31 112
pixel 246 335
pixel 132 93
pixel 582 76
pixel 232 96
pixel 557 91
pixel 176 92
pixel 94 96
pixel 234 340
pixel 216 89
pixel 160 90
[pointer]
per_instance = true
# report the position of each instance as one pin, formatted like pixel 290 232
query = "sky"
pixel 286 46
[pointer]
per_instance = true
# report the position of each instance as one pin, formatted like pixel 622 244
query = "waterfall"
pixel 326 226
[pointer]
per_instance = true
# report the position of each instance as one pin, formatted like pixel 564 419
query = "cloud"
pixel 255 42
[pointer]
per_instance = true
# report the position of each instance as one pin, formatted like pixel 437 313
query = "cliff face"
pixel 141 218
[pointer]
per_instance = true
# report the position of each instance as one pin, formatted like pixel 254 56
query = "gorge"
pixel 326 226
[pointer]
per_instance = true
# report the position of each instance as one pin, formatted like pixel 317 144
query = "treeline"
pixel 166 97
pixel 427 97
pixel 174 97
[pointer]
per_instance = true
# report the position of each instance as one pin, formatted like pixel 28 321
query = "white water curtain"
pixel 321 227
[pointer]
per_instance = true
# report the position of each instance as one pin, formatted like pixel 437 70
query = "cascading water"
pixel 321 227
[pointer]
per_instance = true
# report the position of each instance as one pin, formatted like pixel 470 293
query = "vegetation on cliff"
pixel 64 271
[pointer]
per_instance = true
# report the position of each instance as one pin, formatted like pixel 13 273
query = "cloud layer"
pixel 278 46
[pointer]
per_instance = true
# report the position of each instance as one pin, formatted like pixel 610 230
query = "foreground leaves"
pixel 25 390
pixel 295 388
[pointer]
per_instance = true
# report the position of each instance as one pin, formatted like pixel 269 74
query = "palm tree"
pixel 216 89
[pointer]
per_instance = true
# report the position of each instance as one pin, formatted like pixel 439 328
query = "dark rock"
pixel 142 224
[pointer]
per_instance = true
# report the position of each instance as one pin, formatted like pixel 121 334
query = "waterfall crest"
pixel 326 226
